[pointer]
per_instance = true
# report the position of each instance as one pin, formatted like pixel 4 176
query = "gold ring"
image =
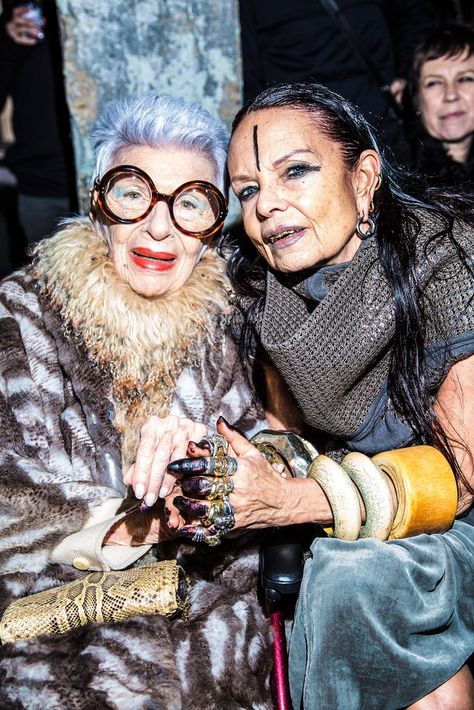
pixel 221 488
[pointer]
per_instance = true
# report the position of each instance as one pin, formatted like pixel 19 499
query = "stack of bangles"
pixel 422 479
pixel 424 484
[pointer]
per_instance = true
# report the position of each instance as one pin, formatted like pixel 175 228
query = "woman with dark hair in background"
pixel 441 90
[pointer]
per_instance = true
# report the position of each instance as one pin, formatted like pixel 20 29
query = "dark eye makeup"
pixel 300 170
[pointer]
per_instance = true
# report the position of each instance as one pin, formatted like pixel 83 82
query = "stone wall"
pixel 188 48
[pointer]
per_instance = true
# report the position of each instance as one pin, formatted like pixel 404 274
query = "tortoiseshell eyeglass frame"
pixel 101 185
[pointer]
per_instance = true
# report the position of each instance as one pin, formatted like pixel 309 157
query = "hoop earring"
pixel 371 230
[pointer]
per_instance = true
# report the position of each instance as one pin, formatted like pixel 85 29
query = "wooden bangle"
pixel 341 494
pixel 375 492
pixel 426 490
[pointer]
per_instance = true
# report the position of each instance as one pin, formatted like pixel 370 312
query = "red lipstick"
pixel 152 260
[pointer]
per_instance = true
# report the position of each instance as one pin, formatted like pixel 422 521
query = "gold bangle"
pixel 375 492
pixel 341 494
pixel 426 490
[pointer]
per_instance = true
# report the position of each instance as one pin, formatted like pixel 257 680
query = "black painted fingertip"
pixel 187 532
pixel 196 486
pixel 224 421
pixel 204 444
pixel 188 466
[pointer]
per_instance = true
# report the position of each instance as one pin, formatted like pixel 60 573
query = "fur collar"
pixel 144 343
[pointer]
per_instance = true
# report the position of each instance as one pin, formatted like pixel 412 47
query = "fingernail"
pixel 163 492
pixel 224 420
pixel 143 507
pixel 150 498
pixel 139 490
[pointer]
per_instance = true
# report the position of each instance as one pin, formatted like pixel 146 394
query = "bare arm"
pixel 455 409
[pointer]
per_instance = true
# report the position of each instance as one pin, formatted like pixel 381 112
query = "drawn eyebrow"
pixel 255 147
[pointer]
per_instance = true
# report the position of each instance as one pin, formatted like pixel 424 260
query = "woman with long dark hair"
pixel 356 289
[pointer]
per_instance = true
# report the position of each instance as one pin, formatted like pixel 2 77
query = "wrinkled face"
pixel 297 197
pixel 152 255
pixel 446 97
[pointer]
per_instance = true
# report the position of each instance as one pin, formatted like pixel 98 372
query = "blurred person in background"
pixel 314 40
pixel 41 156
pixel 442 100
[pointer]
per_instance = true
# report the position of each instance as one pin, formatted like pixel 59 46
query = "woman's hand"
pixel 261 496
pixel 148 526
pixel 162 439
pixel 23 30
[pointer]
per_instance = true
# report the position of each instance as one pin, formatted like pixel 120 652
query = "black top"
pixel 41 157
pixel 439 170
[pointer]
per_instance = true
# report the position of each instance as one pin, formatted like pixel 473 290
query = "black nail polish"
pixel 224 420
pixel 188 466
pixel 185 533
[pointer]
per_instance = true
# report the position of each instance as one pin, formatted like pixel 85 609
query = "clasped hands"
pixel 188 492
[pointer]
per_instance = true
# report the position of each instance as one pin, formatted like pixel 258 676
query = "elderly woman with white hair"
pixel 114 342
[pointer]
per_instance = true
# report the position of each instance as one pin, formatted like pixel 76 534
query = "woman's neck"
pixel 460 150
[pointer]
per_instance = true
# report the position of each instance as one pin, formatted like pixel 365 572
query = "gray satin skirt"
pixel 381 624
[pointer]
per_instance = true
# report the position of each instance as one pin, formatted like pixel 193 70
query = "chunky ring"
pixel 220 466
pixel 200 535
pixel 297 453
pixel 219 510
pixel 203 535
pixel 216 444
pixel 220 488
pixel 224 524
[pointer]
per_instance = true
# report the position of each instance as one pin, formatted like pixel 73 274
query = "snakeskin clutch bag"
pixel 104 597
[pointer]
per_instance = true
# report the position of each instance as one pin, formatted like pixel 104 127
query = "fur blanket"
pixel 68 392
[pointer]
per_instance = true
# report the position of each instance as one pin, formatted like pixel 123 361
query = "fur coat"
pixel 83 360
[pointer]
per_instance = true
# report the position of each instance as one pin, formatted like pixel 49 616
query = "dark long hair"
pixel 396 204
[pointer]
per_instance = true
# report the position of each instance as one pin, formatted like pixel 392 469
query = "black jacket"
pixel 41 157
pixel 438 169
pixel 300 41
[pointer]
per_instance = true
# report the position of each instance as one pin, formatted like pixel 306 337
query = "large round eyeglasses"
pixel 127 194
